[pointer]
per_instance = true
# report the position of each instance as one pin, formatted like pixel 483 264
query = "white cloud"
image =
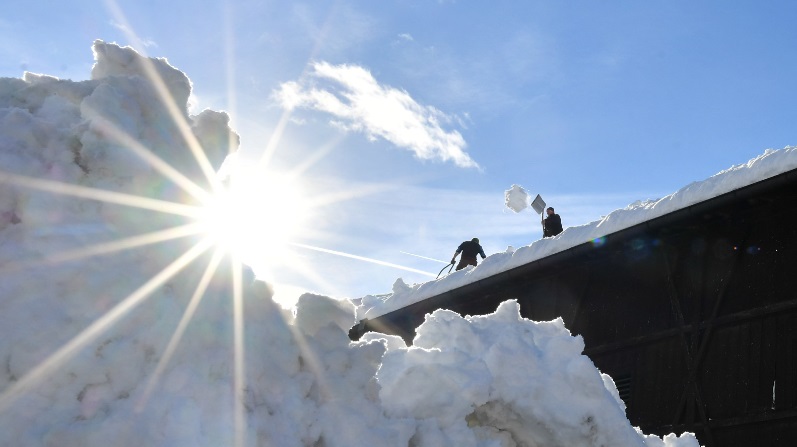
pixel 406 36
pixel 359 103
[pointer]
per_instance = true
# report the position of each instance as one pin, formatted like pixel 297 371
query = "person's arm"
pixel 481 252
pixel 454 258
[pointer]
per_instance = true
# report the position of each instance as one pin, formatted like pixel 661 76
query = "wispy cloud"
pixel 359 103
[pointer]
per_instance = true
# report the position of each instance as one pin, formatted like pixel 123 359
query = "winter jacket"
pixel 553 225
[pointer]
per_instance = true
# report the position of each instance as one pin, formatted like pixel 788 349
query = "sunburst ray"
pixel 118 198
pixel 239 349
pixel 199 292
pixel 104 248
pixel 360 258
pixel 178 117
pixel 30 379
pixel 161 166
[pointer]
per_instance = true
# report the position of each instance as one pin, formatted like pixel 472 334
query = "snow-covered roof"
pixel 766 165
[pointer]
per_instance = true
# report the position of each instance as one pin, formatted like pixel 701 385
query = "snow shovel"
pixel 539 206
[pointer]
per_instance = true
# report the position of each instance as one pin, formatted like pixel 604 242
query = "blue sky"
pixel 591 104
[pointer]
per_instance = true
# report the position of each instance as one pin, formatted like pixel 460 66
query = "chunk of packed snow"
pixel 516 198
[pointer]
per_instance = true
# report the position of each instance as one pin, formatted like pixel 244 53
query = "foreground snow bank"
pixel 502 377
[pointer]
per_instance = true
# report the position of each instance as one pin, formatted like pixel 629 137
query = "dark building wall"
pixel 694 314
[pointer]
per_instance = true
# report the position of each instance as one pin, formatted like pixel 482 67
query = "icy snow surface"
pixel 87 354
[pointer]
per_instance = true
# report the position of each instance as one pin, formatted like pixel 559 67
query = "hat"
pixel 475 239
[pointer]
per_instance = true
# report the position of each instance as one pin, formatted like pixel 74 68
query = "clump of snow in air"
pixel 768 164
pixel 104 339
pixel 516 198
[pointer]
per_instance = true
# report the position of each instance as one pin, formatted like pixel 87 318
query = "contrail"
pixel 424 257
pixel 361 258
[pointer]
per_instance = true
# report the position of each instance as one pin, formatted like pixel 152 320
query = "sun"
pixel 256 216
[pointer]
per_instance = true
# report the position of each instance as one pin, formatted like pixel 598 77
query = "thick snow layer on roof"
pixel 766 165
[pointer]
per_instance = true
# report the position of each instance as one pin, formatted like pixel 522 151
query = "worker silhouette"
pixel 469 251
pixel 552 225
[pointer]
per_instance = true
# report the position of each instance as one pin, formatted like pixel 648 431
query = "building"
pixel 694 313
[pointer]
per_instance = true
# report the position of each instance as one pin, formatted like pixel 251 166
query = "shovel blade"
pixel 538 204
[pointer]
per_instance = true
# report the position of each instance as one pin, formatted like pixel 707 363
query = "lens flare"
pixel 255 217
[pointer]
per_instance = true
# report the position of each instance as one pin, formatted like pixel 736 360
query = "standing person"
pixel 552 225
pixel 469 251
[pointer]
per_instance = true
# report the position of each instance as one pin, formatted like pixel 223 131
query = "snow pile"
pixel 766 165
pixel 504 377
pixel 516 198
pixel 108 346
